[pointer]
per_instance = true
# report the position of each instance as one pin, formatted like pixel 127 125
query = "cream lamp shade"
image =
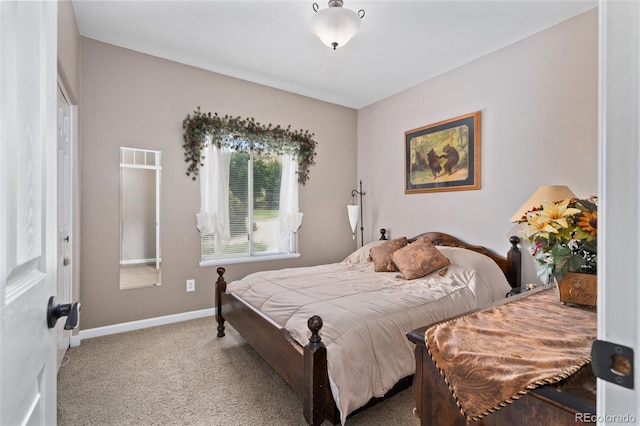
pixel 553 193
pixel 352 210
pixel 335 25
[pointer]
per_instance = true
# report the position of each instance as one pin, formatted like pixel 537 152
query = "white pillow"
pixel 362 254
pixel 491 283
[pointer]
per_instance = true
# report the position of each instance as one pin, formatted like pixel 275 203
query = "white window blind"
pixel 249 206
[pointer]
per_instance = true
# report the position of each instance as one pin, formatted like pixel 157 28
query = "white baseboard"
pixel 137 325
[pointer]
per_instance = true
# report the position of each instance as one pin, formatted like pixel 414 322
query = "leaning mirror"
pixel 140 178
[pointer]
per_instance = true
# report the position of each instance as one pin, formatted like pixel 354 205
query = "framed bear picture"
pixel 443 156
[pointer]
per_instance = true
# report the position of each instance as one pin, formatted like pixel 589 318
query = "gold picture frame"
pixel 443 156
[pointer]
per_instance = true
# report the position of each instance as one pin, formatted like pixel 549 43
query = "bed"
pixel 342 346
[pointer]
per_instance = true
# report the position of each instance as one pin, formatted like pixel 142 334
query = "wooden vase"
pixel 578 288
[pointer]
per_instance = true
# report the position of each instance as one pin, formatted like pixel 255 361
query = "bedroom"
pixel 555 70
pixel 121 86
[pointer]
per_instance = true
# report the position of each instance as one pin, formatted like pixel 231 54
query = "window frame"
pixel 254 257
pixel 250 259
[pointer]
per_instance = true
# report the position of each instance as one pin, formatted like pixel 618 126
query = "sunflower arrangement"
pixel 563 236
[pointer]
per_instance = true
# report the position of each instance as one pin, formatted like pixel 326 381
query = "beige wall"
pixel 69 50
pixel 538 99
pixel 135 100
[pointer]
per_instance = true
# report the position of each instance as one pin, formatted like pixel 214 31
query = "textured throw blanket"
pixel 494 356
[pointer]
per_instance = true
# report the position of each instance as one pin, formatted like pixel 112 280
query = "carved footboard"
pixel 304 368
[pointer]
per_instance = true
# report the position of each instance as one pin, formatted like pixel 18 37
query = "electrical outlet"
pixel 191 285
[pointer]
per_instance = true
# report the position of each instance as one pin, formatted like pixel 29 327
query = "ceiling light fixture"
pixel 335 26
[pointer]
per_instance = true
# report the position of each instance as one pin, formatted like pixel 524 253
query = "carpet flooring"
pixel 182 374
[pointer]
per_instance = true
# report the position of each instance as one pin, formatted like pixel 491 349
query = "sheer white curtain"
pixel 213 218
pixel 290 217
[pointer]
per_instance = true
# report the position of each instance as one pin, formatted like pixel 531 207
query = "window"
pixel 249 205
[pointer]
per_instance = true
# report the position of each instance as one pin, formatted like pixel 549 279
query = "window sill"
pixel 237 260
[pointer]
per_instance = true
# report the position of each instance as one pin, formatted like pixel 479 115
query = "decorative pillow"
pixel 381 254
pixel 418 259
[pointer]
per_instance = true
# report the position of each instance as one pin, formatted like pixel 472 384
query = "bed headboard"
pixel 510 265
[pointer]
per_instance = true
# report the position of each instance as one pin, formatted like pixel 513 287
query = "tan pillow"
pixel 381 254
pixel 419 259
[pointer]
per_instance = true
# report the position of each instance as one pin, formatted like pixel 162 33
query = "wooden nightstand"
pixel 518 290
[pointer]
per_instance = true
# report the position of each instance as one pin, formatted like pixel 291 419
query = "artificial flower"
pixel 563 236
pixel 557 212
pixel 537 225
pixel 589 222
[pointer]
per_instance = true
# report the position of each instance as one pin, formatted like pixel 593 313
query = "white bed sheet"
pixel 367 314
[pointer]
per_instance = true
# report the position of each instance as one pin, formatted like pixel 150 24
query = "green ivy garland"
pixel 242 133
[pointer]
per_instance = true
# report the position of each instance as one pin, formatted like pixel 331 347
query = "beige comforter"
pixel 366 314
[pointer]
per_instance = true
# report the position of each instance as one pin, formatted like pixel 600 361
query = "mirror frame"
pixel 141 159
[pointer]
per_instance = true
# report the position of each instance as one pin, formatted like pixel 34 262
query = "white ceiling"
pixel 400 44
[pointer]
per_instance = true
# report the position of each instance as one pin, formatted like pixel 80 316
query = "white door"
pixel 619 215
pixel 65 216
pixel 28 216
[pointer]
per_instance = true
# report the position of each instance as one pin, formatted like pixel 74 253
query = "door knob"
pixel 69 310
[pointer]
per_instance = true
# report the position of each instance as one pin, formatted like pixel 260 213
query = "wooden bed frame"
pixel 305 367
